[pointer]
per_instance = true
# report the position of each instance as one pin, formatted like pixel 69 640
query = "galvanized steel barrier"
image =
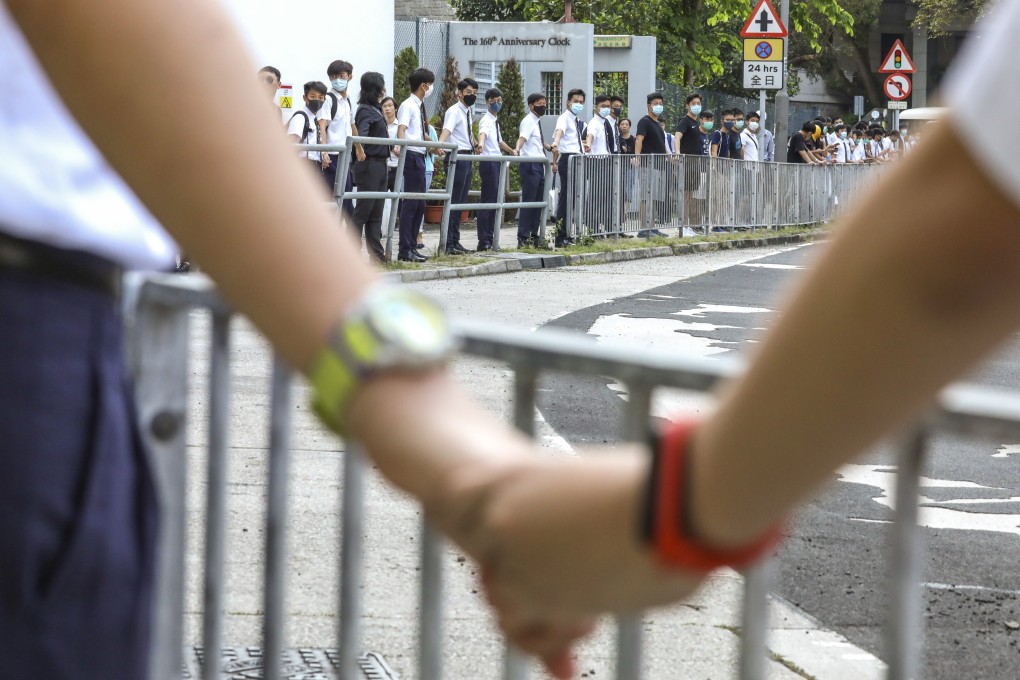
pixel 157 309
pixel 612 194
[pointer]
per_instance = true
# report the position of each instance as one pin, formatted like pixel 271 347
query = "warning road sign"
pixel 763 49
pixel 898 86
pixel 764 22
pixel 898 60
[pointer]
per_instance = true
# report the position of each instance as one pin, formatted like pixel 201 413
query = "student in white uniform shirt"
pixel 336 124
pixel 531 144
pixel 457 128
pixel 302 128
pixel 568 140
pixel 412 120
pixel 749 136
pixel 600 141
pixel 844 146
pixel 491 143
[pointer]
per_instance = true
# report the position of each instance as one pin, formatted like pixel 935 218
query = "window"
pixel 485 73
pixel 552 88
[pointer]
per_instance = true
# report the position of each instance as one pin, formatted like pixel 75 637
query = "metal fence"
pixel 616 194
pixel 157 309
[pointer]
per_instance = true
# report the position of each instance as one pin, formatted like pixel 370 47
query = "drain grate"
pixel 245 663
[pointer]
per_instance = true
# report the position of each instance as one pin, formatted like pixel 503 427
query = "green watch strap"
pixel 334 385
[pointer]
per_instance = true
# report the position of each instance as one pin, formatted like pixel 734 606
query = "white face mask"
pixel 752 126
pixel 428 90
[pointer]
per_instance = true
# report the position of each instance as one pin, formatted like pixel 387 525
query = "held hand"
pixel 360 154
pixel 326 162
pixel 396 150
pixel 440 153
pixel 635 162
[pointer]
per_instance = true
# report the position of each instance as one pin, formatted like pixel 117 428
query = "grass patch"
pixel 438 262
pixel 610 244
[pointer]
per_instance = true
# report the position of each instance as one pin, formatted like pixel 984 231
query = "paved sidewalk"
pixel 697 639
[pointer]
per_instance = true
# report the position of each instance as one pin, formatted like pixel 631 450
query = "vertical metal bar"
pixel 629 633
pixel 905 622
pixel 430 622
pixel 157 351
pixel 343 169
pixel 398 186
pixel 504 170
pixel 515 664
pixel 754 621
pixel 276 521
pixel 545 200
pixel 351 560
pixel 444 226
pixel 216 495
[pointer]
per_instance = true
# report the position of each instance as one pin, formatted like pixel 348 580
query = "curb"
pixel 515 262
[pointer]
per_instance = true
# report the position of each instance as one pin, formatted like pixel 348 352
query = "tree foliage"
pixel 404 65
pixel 448 96
pixel 941 17
pixel 510 82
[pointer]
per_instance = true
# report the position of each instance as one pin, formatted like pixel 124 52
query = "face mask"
pixel 825 129
pixel 540 111
pixel 753 126
pixel 696 109
pixel 314 105
pixel 496 107
pixel 860 142
pixel 708 124
pixel 739 124
pixel 469 99
pixel 728 124
pixel 657 109
pixel 842 135
pixel 903 133
pixel 576 109
pixel 428 90
pixel 617 111
pixel 604 112
pixel 340 85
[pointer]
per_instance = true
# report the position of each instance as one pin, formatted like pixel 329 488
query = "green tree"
pixel 448 95
pixel 489 10
pixel 403 66
pixel 941 17
pixel 511 84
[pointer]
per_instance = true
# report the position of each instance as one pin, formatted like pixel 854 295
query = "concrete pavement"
pixel 692 640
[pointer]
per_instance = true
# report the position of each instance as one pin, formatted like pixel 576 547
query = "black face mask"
pixel 539 111
pixel 469 100
pixel 617 111
pixel 314 105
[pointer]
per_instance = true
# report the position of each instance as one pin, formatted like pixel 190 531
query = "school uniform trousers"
pixel 532 190
pixel 78 513
pixel 488 172
pixel 566 186
pixel 412 211
pixel 461 186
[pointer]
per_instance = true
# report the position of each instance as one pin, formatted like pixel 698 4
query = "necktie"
pixel 470 132
pixel 610 137
pixel 499 135
pixel 424 124
pixel 541 135
pixel 580 132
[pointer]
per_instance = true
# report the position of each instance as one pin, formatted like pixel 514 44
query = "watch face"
pixel 412 322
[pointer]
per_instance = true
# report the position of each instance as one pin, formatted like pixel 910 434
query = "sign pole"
pixel 783 97
pixel 761 127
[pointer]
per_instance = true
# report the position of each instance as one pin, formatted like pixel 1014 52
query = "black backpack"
pixel 307 128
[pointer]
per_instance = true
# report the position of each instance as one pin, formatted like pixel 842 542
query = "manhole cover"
pixel 245 663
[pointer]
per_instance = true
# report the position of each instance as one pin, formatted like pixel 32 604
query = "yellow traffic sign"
pixel 286 102
pixel 763 49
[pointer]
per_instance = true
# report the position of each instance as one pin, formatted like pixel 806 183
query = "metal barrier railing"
pixel 157 309
pixel 611 195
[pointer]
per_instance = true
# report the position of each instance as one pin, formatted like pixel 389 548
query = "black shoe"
pixel 656 232
pixel 564 243
pixel 184 267
pixel 419 246
pixel 413 256
pixel 459 248
pixel 482 247
pixel 454 252
pixel 644 233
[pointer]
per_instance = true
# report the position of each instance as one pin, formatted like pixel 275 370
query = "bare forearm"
pixel 898 306
pixel 212 209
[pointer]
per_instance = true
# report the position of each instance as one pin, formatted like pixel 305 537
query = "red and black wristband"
pixel 666 521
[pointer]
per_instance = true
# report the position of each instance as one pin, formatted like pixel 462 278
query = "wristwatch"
pixel 391 328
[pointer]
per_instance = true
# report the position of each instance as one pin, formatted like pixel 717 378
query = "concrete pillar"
pixel 919 52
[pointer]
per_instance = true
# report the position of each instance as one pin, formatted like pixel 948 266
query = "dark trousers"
pixel 461 187
pixel 330 176
pixel 370 174
pixel 532 190
pixel 488 171
pixel 316 167
pixel 412 211
pixel 566 186
pixel 78 514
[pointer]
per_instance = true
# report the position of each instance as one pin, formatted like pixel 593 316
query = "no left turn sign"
pixel 897 86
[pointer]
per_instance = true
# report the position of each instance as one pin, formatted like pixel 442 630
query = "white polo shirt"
pixel 531 132
pixel 55 186
pixel 597 130
pixel 456 121
pixel 749 141
pixel 844 151
pixel 394 158
pixel 569 142
pixel 409 115
pixel 487 126
pixel 339 128
pixel 305 135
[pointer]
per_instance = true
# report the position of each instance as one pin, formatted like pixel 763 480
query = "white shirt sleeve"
pixel 983 78
pixel 405 114
pixel 296 126
pixel 526 127
pixel 451 119
pixel 561 123
pixel 486 127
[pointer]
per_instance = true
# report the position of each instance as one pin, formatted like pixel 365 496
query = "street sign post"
pixel 897 106
pixel 898 60
pixel 764 37
pixel 764 22
pixel 897 86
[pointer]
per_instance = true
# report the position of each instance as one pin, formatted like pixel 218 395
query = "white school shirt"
pixel 55 186
pixel 569 142
pixel 844 154
pixel 750 145
pixel 455 121
pixel 394 158
pixel 531 131
pixel 409 115
pixel 487 125
pixel 296 126
pixel 339 128
pixel 597 130
pixel 859 154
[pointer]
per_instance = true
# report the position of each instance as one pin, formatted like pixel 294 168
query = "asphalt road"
pixel 834 565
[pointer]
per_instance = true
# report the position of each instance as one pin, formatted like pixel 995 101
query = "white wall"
pixel 292 35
